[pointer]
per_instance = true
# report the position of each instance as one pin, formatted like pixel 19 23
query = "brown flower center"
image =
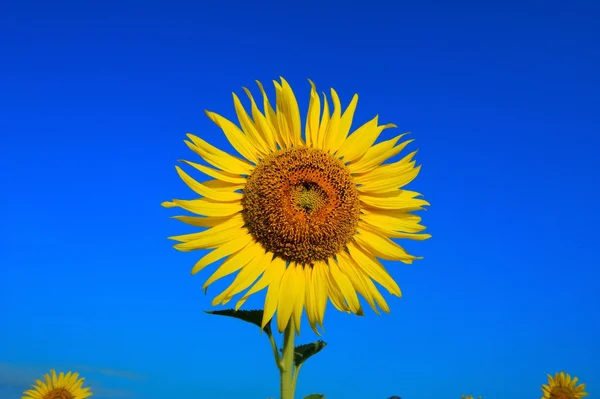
pixel 562 393
pixel 301 204
pixel 58 393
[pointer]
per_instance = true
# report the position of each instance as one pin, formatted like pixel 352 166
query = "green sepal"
pixel 315 396
pixel 251 316
pixel 303 352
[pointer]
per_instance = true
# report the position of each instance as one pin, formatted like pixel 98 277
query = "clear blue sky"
pixel 502 99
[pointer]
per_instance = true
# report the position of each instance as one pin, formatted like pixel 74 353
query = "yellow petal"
pixel 208 207
pixel 371 291
pixel 346 288
pixel 333 138
pixel 379 300
pixel 286 303
pixel 274 272
pixel 272 297
pixel 359 142
pixel 320 286
pixel 372 268
pixel 261 125
pixel 286 103
pixel 310 299
pixel 382 247
pixel 168 204
pixel 546 388
pixel 244 279
pixel 77 385
pixel 212 237
pixel 200 221
pixel 217 174
pixel 405 222
pixel 236 137
pixel 218 158
pixel 248 276
pixel 222 186
pixel 338 129
pixel 299 293
pixel 346 122
pixel 377 154
pixel 74 378
pixel 392 183
pixel 574 381
pixel 41 385
pixel 388 177
pixel 31 394
pixel 284 130
pixel 250 131
pixel 312 117
pixel 323 125
pixel 235 262
pixel 397 200
pixel 271 117
pixel 354 275
pixel 222 251
pixel 54 379
pixel 61 379
pixel 401 165
pixel 206 191
pixel 391 233
pixel 333 290
pixel 281 121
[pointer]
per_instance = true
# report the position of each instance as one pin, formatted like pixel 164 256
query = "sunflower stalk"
pixel 287 374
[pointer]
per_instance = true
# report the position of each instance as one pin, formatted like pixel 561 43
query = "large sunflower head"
pixel 61 386
pixel 305 216
pixel 562 386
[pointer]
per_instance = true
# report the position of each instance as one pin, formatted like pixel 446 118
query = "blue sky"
pixel 501 98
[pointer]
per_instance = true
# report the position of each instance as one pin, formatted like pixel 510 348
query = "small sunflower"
pixel 303 215
pixel 561 386
pixel 469 397
pixel 63 386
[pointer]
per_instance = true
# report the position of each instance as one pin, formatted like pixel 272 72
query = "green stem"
pixel 286 365
pixel 275 350
pixel 295 376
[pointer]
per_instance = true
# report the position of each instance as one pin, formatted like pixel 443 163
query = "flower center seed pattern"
pixel 58 393
pixel 301 204
pixel 562 393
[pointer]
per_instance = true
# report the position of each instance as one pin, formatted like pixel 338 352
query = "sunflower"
pixel 469 397
pixel 561 386
pixel 63 386
pixel 304 216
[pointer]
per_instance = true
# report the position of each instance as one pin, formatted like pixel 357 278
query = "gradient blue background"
pixel 502 99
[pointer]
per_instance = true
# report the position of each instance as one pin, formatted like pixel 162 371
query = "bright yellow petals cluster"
pixel 61 386
pixel 305 211
pixel 562 386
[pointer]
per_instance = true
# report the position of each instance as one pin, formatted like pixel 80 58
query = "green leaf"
pixel 303 352
pixel 251 316
pixel 315 396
